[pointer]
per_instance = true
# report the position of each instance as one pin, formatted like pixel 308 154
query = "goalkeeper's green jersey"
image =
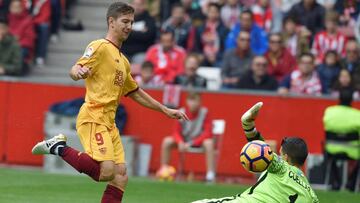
pixel 281 183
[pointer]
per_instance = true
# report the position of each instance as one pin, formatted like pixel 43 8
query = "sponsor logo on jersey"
pixel 88 52
pixel 102 150
pixel 119 78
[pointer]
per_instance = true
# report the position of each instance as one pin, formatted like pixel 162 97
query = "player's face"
pixel 122 26
pixel 284 156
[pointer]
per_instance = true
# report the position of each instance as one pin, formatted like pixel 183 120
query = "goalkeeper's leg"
pixel 248 122
pixel 233 199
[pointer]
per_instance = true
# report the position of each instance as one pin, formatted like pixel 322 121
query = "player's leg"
pixel 233 199
pixel 208 145
pixel 116 187
pixel 167 145
pixel 92 163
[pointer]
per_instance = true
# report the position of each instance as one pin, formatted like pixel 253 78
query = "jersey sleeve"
pixel 130 84
pixel 277 166
pixel 91 55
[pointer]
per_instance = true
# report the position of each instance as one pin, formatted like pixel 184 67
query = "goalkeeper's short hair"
pixel 296 149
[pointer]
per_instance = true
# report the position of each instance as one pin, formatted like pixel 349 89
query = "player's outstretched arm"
pixel 141 97
pixel 248 122
pixel 78 72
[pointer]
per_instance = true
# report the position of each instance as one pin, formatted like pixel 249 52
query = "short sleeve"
pixel 277 166
pixel 130 84
pixel 91 56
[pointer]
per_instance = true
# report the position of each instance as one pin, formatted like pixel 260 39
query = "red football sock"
pixel 112 194
pixel 81 162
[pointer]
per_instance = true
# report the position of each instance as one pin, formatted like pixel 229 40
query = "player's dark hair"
pixel 296 149
pixel 118 8
pixel 147 65
pixel 346 96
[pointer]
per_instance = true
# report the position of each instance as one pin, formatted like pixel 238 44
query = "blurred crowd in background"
pixel 288 46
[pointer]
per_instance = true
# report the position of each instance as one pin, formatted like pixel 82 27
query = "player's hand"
pixel 83 72
pixel 176 114
pixel 80 72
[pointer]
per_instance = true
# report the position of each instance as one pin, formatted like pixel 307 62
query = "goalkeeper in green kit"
pixel 283 181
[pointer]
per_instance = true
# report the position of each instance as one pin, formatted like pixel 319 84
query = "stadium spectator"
pixel 230 13
pixel 280 60
pixel 257 78
pixel 327 4
pixel 343 119
pixel 210 37
pixel 56 15
pixel 237 61
pixel 167 57
pixel 165 8
pixel 143 31
pixel 297 41
pixel 349 11
pixel 41 12
pixel 305 80
pixel 10 52
pixel 181 26
pixel 309 14
pixel 4 7
pixel 328 71
pixel 329 39
pixel 22 27
pixel 259 42
pixel 193 11
pixel 351 62
pixel 190 78
pixel 197 132
pixel 286 5
pixel 247 3
pixel 344 81
pixel 147 76
pixel 263 14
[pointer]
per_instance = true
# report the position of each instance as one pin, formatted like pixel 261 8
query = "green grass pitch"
pixel 34 186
